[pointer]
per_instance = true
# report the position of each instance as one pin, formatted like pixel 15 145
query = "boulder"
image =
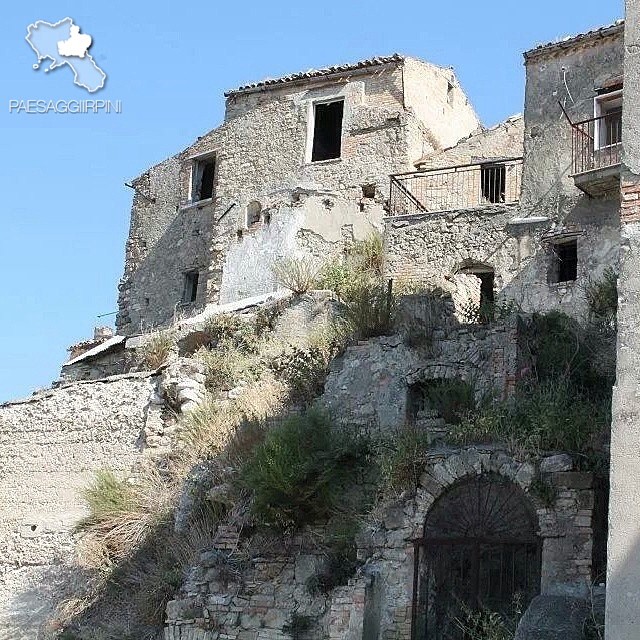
pixel 553 618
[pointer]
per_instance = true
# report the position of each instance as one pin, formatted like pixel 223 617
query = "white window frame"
pixel 196 162
pixel 599 103
pixel 311 125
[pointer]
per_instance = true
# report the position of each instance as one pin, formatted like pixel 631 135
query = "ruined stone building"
pixel 518 217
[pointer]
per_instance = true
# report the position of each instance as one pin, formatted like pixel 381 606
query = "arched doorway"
pixel 480 551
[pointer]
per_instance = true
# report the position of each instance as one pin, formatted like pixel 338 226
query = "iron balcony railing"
pixel 596 143
pixel 460 187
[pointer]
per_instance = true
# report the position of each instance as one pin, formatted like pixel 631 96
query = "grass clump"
pixel 299 275
pixel 157 349
pixel 402 460
pixel 485 624
pixel 299 473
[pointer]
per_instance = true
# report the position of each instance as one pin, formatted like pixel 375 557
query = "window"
pixel 190 291
pixel 565 267
pixel 254 211
pixel 202 179
pixel 608 113
pixel 327 130
pixel 493 178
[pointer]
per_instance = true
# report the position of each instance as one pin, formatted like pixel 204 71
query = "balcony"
pixel 596 153
pixel 452 188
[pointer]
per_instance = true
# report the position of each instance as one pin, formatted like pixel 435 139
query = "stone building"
pixel 524 213
pixel 299 167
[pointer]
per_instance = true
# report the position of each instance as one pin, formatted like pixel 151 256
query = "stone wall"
pixel 50 446
pixel 234 593
pixel 369 384
pixel 432 247
pixel 623 557
pixel 306 208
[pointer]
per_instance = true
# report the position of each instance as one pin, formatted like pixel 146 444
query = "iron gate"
pixel 479 552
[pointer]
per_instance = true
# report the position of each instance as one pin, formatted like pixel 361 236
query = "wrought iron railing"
pixel 460 187
pixel 596 143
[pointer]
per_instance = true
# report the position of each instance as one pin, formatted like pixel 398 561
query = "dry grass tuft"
pixel 157 349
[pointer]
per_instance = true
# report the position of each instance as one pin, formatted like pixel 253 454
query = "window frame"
pixel 190 282
pixel 311 125
pixel 599 102
pixel 554 272
pixel 196 163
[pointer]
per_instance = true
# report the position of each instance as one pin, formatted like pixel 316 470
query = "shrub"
pixel 402 460
pixel 298 625
pixel 156 350
pixel 226 367
pixel 452 399
pixel 299 275
pixel 299 473
pixel 369 309
pixel 304 370
pixel 485 624
pixel 602 298
pixel 368 254
pixel 227 331
pixel 549 416
pixel 341 558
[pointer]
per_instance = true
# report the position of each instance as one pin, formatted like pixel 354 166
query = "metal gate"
pixel 479 552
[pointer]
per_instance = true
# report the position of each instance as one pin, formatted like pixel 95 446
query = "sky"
pixel 65 207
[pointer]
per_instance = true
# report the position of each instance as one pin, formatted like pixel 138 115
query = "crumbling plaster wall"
pixel 623 556
pixel 50 444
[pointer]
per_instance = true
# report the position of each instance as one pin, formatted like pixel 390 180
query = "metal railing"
pixel 459 187
pixel 596 143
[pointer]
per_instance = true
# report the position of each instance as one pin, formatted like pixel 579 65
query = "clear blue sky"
pixel 65 209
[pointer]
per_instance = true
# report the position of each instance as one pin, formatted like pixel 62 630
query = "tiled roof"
pixel 569 41
pixel 316 73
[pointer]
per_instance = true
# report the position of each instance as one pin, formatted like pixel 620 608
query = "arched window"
pixel 480 552
pixel 254 209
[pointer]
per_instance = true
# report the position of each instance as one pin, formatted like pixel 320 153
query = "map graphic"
pixel 63 44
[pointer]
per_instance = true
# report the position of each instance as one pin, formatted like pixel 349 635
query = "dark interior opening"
pixel 327 131
pixel 493 178
pixel 566 261
pixel 190 286
pixel 205 174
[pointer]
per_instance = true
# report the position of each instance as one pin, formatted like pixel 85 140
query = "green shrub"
pixel 305 370
pixel 298 475
pixel 228 331
pixel 368 255
pixel 485 624
pixel 402 459
pixel 452 399
pixel 602 298
pixel 299 275
pixel 550 416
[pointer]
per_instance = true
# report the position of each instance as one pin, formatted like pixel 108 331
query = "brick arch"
pixel 445 471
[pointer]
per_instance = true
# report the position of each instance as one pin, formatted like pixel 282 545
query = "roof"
pixel 104 346
pixel 569 41
pixel 317 73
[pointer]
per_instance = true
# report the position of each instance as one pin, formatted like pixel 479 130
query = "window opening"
pixel 190 291
pixel 608 111
pixel 493 179
pixel 327 131
pixel 566 261
pixel 203 179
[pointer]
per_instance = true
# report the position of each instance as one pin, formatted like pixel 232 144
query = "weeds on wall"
pixel 299 625
pixel 565 403
pixel 401 460
pixel 602 299
pixel 299 275
pixel 485 624
pixel 157 349
pixel 299 474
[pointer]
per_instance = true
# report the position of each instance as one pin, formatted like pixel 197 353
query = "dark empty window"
pixel 327 131
pixel 566 261
pixel 450 93
pixel 493 178
pixel 190 287
pixel 203 179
